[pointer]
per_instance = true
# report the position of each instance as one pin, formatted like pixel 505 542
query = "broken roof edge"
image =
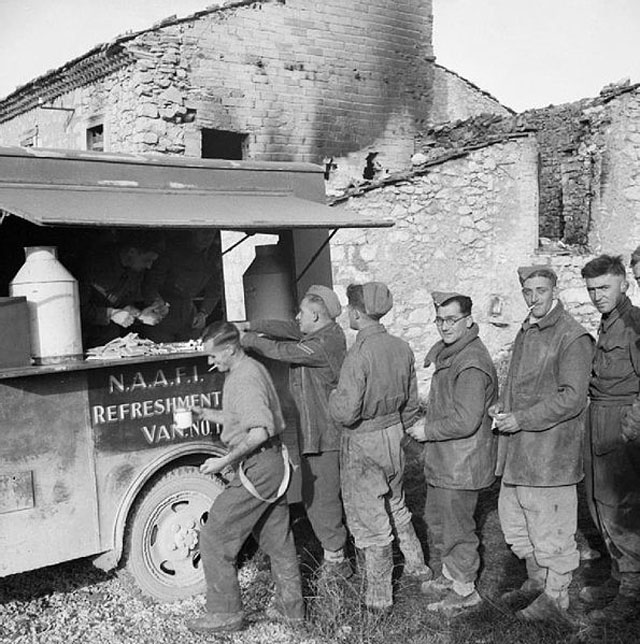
pixel 150 159
pixel 476 87
pixel 607 94
pixel 423 168
pixel 53 82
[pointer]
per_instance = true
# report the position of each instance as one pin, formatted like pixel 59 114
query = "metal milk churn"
pixel 268 295
pixel 268 286
pixel 54 306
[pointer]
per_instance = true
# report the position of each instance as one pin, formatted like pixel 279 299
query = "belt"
pixel 284 484
pixel 272 443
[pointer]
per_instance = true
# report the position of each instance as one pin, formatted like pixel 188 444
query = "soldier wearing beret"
pixel 314 347
pixel 375 401
pixel 613 438
pixel 541 427
pixel 460 448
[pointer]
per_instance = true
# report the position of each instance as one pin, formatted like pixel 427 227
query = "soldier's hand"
pixel 507 423
pixel 199 321
pixel 122 317
pixel 213 466
pixel 417 432
pixel 629 434
pixel 630 423
pixel 495 410
pixel 206 413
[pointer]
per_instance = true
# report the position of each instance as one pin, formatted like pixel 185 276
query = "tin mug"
pixel 182 418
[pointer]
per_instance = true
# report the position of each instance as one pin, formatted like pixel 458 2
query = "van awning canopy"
pixel 62 188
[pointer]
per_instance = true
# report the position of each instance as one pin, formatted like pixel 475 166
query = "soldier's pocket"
pixel 607 431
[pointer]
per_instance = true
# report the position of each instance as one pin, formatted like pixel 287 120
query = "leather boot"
pixel 531 588
pixel 379 568
pixel 603 593
pixel 625 605
pixel 414 565
pixel 551 606
pixel 545 609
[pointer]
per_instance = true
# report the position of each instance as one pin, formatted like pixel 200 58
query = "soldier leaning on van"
pixel 541 427
pixel 314 347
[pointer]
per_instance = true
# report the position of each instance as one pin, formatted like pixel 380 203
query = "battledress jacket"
pixel 314 368
pixel 546 389
pixel 460 452
pixel 378 386
pixel 615 394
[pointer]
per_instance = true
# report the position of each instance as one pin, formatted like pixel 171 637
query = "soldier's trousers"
pixel 449 515
pixel 612 484
pixel 321 497
pixel 541 522
pixel 234 515
pixel 372 466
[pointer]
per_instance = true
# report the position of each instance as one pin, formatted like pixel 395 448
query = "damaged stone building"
pixel 269 80
pixel 474 189
pixel 552 186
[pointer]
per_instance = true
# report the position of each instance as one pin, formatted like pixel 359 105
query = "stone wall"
pixel 463 225
pixel 455 98
pixel 590 164
pixel 615 210
pixel 302 80
pixel 466 224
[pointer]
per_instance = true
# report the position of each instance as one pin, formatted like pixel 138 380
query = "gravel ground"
pixel 76 604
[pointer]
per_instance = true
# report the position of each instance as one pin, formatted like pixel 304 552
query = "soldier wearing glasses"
pixel 460 449
pixel 540 446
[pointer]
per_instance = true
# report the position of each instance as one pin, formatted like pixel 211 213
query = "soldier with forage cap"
pixel 460 448
pixel 314 347
pixel 541 424
pixel 375 401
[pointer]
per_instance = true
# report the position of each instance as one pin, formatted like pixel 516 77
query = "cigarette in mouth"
pixel 210 369
pixel 531 308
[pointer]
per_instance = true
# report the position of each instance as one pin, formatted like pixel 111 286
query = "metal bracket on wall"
pixel 246 236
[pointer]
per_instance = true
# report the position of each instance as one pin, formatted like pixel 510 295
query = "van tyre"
pixel 161 555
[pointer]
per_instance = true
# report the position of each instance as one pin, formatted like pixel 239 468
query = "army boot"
pixel 379 569
pixel 625 605
pixel 335 565
pixel 531 588
pixel 551 606
pixel 603 593
pixel 414 565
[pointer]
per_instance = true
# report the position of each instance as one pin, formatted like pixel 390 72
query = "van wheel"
pixel 161 544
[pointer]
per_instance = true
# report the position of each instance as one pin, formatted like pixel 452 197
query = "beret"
pixel 329 298
pixel 525 272
pixel 440 297
pixel 377 298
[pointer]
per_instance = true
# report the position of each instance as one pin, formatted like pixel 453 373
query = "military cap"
pixel 525 272
pixel 440 297
pixel 377 298
pixel 329 298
